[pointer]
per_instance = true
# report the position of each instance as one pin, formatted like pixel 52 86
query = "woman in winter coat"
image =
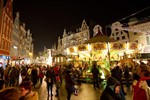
pixel 112 90
pixel 141 90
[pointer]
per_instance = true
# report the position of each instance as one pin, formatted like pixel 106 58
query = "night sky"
pixel 47 19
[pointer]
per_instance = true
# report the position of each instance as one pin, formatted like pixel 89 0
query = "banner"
pixel 82 48
pixel 117 46
pixel 133 46
pixel 99 46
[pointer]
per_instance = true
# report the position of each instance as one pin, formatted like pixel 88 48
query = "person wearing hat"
pixel 112 90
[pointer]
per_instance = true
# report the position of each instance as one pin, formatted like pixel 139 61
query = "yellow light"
pixel 127 46
pixel 30 54
pixel 75 48
pixel 89 47
pixel 68 52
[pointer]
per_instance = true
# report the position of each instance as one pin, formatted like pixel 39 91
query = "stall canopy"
pixel 60 55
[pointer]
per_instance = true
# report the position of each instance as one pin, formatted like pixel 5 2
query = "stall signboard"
pixel 133 46
pixel 117 46
pixel 71 50
pixel 99 46
pixel 82 48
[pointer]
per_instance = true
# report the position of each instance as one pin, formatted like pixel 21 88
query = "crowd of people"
pixel 26 78
pixel 140 74
pixel 20 81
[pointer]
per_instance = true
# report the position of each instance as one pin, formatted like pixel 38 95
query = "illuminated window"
pixel 148 40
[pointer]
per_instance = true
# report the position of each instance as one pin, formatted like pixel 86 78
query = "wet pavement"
pixel 86 92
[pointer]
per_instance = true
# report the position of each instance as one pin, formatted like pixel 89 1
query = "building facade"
pixel 138 33
pixel 14 50
pixel 6 21
pixel 25 45
pixel 119 34
pixel 80 36
pixel 21 51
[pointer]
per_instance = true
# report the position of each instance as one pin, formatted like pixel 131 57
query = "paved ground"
pixel 86 92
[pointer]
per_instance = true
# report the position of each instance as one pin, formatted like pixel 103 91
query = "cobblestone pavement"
pixel 86 92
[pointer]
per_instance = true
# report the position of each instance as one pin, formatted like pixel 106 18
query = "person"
pixel 69 84
pixel 49 80
pixel 2 84
pixel 141 90
pixel 26 91
pixel 112 90
pixel 127 76
pixel 58 82
pixel 116 72
pixel 34 76
pixel 9 93
pixel 24 77
pixel 95 73
pixel 41 75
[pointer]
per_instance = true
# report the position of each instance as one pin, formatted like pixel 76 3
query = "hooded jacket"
pixel 109 91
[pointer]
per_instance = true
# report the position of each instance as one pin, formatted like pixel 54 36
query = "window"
pixel 117 38
pixel 112 34
pixel 117 33
pixel 121 32
pixel 135 33
pixel 148 40
pixel 123 37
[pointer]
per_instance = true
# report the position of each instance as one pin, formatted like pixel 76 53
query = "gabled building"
pixel 73 38
pixel 6 21
pixel 14 50
pixel 118 34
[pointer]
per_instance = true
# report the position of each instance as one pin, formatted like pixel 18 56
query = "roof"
pixel 59 55
pixel 100 38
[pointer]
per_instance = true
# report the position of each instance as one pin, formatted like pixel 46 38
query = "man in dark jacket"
pixel 112 90
pixel 95 73
pixel 50 79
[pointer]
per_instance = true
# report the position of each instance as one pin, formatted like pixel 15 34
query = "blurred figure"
pixel 2 84
pixel 127 76
pixel 9 94
pixel 58 82
pixel 95 73
pixel 141 90
pixel 25 77
pixel 112 90
pixel 50 80
pixel 69 84
pixel 116 72
pixel 41 75
pixel 34 76
pixel 1 72
pixel 26 92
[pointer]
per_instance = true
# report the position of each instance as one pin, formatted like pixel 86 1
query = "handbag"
pixel 48 80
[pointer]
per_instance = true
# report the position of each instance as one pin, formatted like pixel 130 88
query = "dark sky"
pixel 47 19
